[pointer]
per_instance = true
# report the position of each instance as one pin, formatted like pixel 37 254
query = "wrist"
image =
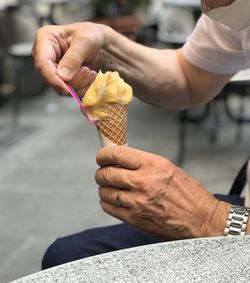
pixel 107 57
pixel 106 32
pixel 221 220
pixel 217 220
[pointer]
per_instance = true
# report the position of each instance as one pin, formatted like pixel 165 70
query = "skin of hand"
pixel 68 53
pixel 157 197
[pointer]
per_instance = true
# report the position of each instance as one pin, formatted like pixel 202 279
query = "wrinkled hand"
pixel 67 54
pixel 156 196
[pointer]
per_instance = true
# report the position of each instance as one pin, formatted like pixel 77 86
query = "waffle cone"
pixel 113 129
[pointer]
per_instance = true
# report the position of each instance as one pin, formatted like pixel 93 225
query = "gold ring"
pixel 117 200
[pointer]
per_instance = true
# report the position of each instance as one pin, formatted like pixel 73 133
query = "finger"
pixel 117 212
pixel 73 59
pixel 82 80
pixel 49 72
pixel 109 195
pixel 116 177
pixel 120 155
pixel 146 224
pixel 46 51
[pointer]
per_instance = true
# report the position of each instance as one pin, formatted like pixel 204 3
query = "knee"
pixel 72 247
pixel 54 255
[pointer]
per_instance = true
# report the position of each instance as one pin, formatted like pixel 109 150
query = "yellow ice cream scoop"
pixel 107 88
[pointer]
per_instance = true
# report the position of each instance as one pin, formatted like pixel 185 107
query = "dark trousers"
pixel 105 239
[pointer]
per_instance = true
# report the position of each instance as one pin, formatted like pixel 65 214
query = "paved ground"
pixel 47 186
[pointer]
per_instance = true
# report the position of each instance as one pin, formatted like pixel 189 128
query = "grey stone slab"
pixel 222 259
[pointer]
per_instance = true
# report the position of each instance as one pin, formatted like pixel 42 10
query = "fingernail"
pixel 65 72
pixel 93 75
pixel 85 68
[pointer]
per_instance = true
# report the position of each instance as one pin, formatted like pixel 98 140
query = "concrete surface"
pixel 217 259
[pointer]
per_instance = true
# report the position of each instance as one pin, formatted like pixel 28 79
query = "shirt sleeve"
pixel 215 48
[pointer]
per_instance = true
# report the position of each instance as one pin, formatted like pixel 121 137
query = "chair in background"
pixel 238 89
pixel 27 81
pixel 16 41
pixel 174 25
pixel 235 99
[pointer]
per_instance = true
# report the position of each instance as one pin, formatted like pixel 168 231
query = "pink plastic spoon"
pixel 79 102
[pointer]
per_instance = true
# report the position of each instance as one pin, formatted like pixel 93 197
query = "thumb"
pixel 71 62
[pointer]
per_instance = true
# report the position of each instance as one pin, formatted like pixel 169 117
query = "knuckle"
pixel 102 204
pixel 168 170
pixel 98 157
pixel 128 179
pixel 105 175
pixel 38 64
pixel 98 176
pixel 140 182
pixel 117 153
pixel 99 192
pixel 73 58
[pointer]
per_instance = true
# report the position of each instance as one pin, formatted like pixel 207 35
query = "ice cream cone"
pixel 113 129
pixel 106 102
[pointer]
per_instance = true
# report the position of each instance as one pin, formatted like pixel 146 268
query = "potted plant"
pixel 119 14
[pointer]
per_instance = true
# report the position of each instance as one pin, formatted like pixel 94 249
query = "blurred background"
pixel 47 148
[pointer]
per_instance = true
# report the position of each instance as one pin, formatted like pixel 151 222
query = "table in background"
pixel 182 3
pixel 176 21
pixel 48 16
pixel 220 259
pixel 53 4
pixel 239 85
pixel 242 77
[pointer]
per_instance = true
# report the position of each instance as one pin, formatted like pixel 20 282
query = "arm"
pixel 160 77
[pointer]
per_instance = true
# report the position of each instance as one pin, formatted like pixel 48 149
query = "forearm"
pixel 155 75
